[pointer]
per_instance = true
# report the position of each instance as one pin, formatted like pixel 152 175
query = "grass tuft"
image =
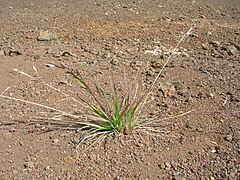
pixel 109 114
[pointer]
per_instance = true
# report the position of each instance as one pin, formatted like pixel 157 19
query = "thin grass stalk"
pixel 41 105
pixel 165 64
pixel 154 122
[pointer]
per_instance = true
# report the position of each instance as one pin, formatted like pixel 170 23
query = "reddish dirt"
pixel 103 37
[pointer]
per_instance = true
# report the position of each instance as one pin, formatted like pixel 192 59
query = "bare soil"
pixel 101 38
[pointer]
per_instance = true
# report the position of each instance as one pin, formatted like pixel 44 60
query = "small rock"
pixel 162 166
pixel 14 171
pixel 66 53
pixel 63 82
pixel 156 64
pixel 107 55
pixel 14 53
pixel 184 54
pixel 168 89
pixel 228 137
pixel 12 130
pixel 139 63
pixel 6 51
pixel 166 18
pixel 168 166
pixel 237 46
pixel 47 36
pixel 209 33
pixel 36 56
pixel 50 65
pixel 193 34
pixel 149 72
pixel 2 53
pixel 177 85
pixel 211 95
pixel 172 163
pixel 177 176
pixel 29 165
pixel 232 50
pixel 215 43
pixel 37 125
pixel 136 64
pixel 181 18
pixel 213 151
pixel 114 61
pixel 47 168
pixel 55 141
pixel 94 51
pixel 216 149
pixel 204 46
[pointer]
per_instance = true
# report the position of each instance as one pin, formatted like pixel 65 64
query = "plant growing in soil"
pixel 109 114
pixel 112 114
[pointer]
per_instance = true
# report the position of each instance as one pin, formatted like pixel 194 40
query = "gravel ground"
pixel 101 38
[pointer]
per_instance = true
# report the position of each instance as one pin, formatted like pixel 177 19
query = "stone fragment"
pixel 2 53
pixel 204 46
pixel 232 50
pixel 47 36
pixel 14 53
pixel 168 89
pixel 228 137
pixel 215 43
pixel 28 165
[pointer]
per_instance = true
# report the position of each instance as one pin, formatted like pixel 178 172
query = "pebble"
pixel 237 46
pixel 211 95
pixel 114 61
pixel 36 56
pixel 181 18
pixel 168 89
pixel 14 53
pixel 177 176
pixel 213 151
pixel 49 65
pixel 177 85
pixel 168 165
pixel 162 166
pixel 215 43
pixel 55 141
pixel 184 54
pixel 47 36
pixel 232 50
pixel 209 33
pixel 228 137
pixel 66 53
pixel 106 55
pixel 156 64
pixel 28 165
pixel 2 53
pixel 37 125
pixel 204 46
pixel 47 168
pixel 136 64
pixel 14 171
pixel 12 130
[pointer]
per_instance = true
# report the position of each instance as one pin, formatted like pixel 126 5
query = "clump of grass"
pixel 109 114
